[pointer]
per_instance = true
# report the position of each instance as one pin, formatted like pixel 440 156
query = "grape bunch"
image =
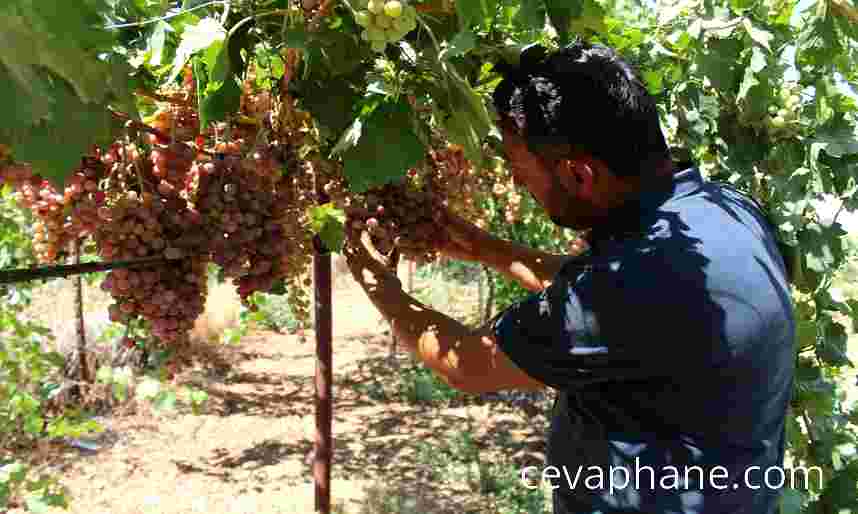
pixel 398 215
pixel 171 295
pixel 385 22
pixel 409 215
pixel 247 207
pixel 783 119
pixel 59 218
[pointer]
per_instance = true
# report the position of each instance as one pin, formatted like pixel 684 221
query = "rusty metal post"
pixel 85 376
pixel 323 448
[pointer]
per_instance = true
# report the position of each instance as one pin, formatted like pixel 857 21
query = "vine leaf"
pixel 467 120
pixel 720 63
pixel 476 12
pixel 328 222
pixel 838 141
pixel 220 100
pixel 760 36
pixel 330 102
pixel 157 41
pixel 194 39
pixel 60 39
pixel 462 43
pixel 758 64
pixel 531 15
pixel 54 146
pixel 575 16
pixel 379 149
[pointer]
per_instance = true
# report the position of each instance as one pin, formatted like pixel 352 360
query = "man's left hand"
pixel 369 267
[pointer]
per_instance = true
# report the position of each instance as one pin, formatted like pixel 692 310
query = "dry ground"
pixel 250 451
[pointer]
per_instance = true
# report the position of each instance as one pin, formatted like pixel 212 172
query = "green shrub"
pixel 419 384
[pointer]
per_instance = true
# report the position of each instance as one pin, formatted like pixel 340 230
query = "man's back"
pixel 671 346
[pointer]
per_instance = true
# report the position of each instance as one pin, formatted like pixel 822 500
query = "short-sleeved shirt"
pixel 671 345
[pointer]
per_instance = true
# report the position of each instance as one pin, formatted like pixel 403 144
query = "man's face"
pixel 553 184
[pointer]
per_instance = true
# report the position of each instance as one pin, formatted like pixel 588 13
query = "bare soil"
pixel 250 451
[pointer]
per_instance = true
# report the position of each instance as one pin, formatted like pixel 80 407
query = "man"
pixel 670 341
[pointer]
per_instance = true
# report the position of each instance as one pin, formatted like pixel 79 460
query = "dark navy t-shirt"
pixel 670 343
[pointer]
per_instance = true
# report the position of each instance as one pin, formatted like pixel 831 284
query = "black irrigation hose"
pixel 12 276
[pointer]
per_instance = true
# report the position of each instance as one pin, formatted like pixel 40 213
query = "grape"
pixel 375 6
pixel 393 8
pixel 363 19
pixel 383 21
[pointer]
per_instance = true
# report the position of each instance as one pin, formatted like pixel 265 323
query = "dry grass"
pixel 223 307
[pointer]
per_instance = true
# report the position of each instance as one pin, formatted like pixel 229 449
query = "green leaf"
pixel 64 39
pixel 338 52
pixel 295 37
pixel 331 103
pixel 561 13
pixel 462 43
pixel 832 349
pixel 148 389
pixel 37 504
pixel 216 59
pixel 468 121
pixel 328 222
pixel 592 18
pixel 760 36
pixel 758 63
pixel 476 12
pixel 54 147
pixel 104 374
pixel 217 104
pixel 838 140
pixel 531 15
pixel 791 501
pixel 654 81
pixel 194 39
pixel 720 63
pixel 853 305
pixel 156 42
pixel 741 5
pixel 380 149
pixel 166 400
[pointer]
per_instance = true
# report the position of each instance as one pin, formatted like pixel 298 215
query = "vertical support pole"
pixel 84 376
pixel 324 402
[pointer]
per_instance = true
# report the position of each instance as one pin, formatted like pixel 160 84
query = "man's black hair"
pixel 588 97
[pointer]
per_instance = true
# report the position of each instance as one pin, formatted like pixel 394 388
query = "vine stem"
pixel 139 125
pixel 162 98
pixel 163 18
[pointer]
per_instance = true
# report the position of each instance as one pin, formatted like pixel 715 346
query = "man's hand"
pixel 369 267
pixel 531 268
pixel 468 360
pixel 464 241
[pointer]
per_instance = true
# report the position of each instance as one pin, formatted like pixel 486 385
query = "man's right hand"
pixel 464 240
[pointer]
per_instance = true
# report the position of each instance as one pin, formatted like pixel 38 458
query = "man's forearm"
pixel 533 269
pixel 430 335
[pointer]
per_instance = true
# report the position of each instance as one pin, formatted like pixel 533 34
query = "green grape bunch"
pixel 783 119
pixel 385 22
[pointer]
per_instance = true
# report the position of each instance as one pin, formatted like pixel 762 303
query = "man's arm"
pixel 531 268
pixel 468 360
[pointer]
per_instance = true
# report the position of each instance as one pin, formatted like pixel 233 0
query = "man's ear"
pixel 577 175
